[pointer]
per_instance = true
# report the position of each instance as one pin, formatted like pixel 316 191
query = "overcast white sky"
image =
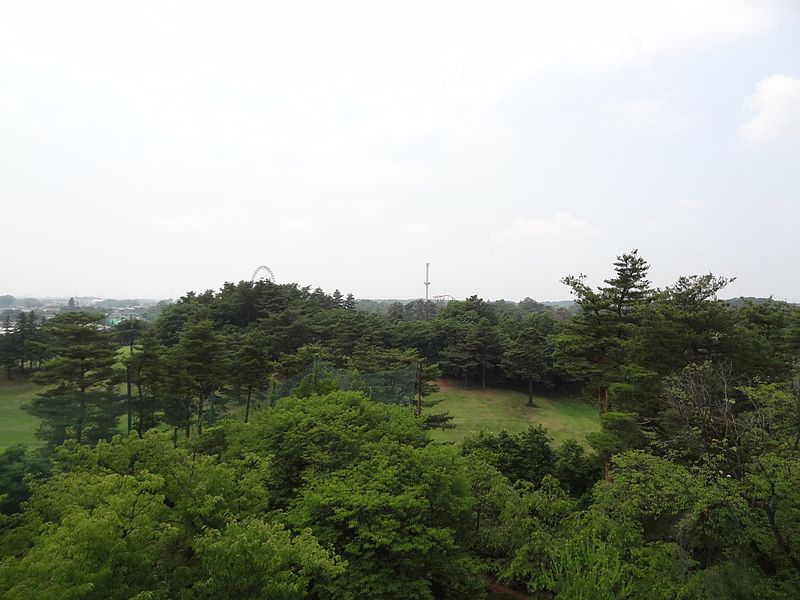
pixel 150 148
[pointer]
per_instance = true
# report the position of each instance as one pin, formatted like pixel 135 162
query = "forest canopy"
pixel 178 463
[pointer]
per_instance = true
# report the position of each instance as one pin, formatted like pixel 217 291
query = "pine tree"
pixel 529 349
pixel 484 344
pixel 8 343
pixel 148 372
pixel 81 374
pixel 594 344
pixel 202 350
pixel 251 368
pixel 350 302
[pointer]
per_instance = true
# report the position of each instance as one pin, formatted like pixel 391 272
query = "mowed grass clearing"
pixel 494 410
pixel 17 426
pixel 473 410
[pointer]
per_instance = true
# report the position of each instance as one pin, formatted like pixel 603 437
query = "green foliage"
pixel 81 375
pixel 369 359
pixel 255 559
pixel 400 517
pixel 8 347
pixel 482 342
pixel 204 364
pixel 525 456
pixel 619 432
pixel 598 345
pixel 128 331
pixel 498 515
pixel 17 464
pixel 250 365
pixel 331 494
pixel 529 349
pixel 141 517
pixel 147 371
pixel 320 380
pixel 438 421
pixel 575 470
pixel 456 356
pixel 323 433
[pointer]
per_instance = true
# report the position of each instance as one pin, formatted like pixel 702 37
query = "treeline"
pixel 212 351
pixel 21 343
pixel 691 488
pixel 8 302
pixel 209 352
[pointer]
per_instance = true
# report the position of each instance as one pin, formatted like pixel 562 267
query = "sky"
pixel 152 148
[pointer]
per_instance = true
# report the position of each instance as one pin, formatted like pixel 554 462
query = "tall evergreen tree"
pixel 8 347
pixel 484 344
pixel 595 345
pixel 528 350
pixel 148 372
pixel 81 376
pixel 21 335
pixel 349 302
pixel 128 331
pixel 201 347
pixel 251 366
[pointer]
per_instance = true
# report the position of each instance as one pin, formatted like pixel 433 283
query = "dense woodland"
pixel 170 469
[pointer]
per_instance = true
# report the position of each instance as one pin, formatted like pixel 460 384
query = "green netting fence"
pixel 387 387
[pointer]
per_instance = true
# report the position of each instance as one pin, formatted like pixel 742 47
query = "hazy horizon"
pixel 153 149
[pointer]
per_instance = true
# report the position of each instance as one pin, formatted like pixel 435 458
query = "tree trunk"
pixel 247 408
pixel 782 543
pixel 530 391
pixel 605 406
pixel 200 416
pixel 130 399
pixel 483 374
pixel 419 389
pixel 139 425
pixel 79 426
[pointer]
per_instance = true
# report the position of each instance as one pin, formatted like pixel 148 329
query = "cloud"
pixel 365 50
pixel 563 226
pixel 299 227
pixel 776 102
pixel 200 222
pixel 653 114
pixel 417 230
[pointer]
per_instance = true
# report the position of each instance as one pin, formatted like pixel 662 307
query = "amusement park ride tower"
pixel 427 279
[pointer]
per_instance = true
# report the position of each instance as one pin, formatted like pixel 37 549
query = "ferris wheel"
pixel 270 276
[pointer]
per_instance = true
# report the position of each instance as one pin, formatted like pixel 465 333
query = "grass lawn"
pixel 17 426
pixel 493 410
